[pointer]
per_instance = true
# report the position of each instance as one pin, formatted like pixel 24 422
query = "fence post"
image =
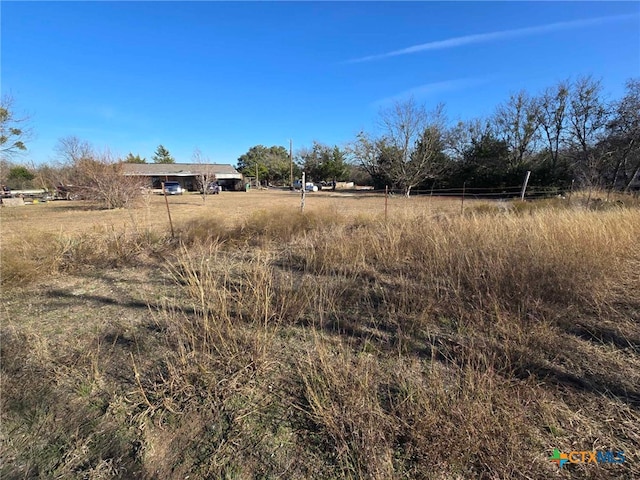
pixel 464 186
pixel 164 192
pixel 386 201
pixel 571 189
pixel 304 189
pixel 524 186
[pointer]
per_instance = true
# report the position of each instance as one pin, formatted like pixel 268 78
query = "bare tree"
pixel 102 180
pixel 464 135
pixel 552 117
pixel 517 123
pixel 361 151
pixel 205 175
pixel 410 146
pixel 622 142
pixel 71 149
pixel 587 117
pixel 96 176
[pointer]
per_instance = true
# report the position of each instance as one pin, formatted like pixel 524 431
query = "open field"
pixel 265 343
pixel 228 208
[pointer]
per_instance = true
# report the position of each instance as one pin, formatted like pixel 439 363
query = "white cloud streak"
pixel 493 36
pixel 434 88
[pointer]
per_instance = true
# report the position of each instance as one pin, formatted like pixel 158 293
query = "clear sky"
pixel 223 77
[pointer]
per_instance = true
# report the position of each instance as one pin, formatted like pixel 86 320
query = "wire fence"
pixel 498 193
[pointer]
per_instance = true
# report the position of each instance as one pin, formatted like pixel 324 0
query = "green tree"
pixel 486 163
pixel 162 155
pixel 20 177
pixel 324 163
pixel 131 158
pixel 272 164
pixel 12 132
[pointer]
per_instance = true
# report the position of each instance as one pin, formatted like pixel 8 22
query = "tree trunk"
pixel 633 177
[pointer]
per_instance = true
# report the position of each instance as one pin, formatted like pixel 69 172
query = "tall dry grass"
pixel 37 256
pixel 320 345
pixel 418 346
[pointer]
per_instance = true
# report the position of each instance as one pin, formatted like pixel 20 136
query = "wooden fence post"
pixel 166 200
pixel 386 201
pixel 524 186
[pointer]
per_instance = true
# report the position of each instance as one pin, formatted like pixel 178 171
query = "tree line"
pixel 569 132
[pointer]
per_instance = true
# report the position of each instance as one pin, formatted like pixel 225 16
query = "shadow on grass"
pixel 63 294
pixel 104 300
pixel 604 335
pixel 586 383
pixel 449 349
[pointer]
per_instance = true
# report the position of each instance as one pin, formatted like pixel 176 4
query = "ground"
pixel 338 343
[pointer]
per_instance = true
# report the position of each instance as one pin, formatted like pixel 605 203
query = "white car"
pixel 309 186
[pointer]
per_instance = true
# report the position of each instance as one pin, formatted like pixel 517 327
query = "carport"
pixel 189 175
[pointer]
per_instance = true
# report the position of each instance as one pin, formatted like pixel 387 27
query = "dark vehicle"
pixel 68 192
pixel 212 189
pixel 172 188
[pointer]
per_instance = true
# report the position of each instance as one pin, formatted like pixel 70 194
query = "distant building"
pixel 189 175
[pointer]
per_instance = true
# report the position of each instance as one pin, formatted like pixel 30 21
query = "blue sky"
pixel 222 77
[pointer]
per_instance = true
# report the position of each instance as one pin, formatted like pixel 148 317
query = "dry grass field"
pixel 229 207
pixel 262 342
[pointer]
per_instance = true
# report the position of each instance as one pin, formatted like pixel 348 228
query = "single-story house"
pixel 189 175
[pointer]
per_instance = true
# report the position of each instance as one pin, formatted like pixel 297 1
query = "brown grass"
pixel 263 342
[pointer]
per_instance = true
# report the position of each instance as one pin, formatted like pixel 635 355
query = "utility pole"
pixel 291 163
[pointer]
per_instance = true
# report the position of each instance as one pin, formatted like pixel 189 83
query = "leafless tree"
pixel 462 136
pixel 587 117
pixel 623 137
pixel 102 180
pixel 517 123
pixel 205 175
pixel 552 117
pixel 96 176
pixel 411 141
pixel 71 149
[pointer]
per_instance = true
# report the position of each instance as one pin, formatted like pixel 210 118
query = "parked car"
pixel 173 188
pixel 309 186
pixel 213 188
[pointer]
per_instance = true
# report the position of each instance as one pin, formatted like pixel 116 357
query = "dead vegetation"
pixel 326 345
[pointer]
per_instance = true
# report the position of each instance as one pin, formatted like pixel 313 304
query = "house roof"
pixel 180 169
